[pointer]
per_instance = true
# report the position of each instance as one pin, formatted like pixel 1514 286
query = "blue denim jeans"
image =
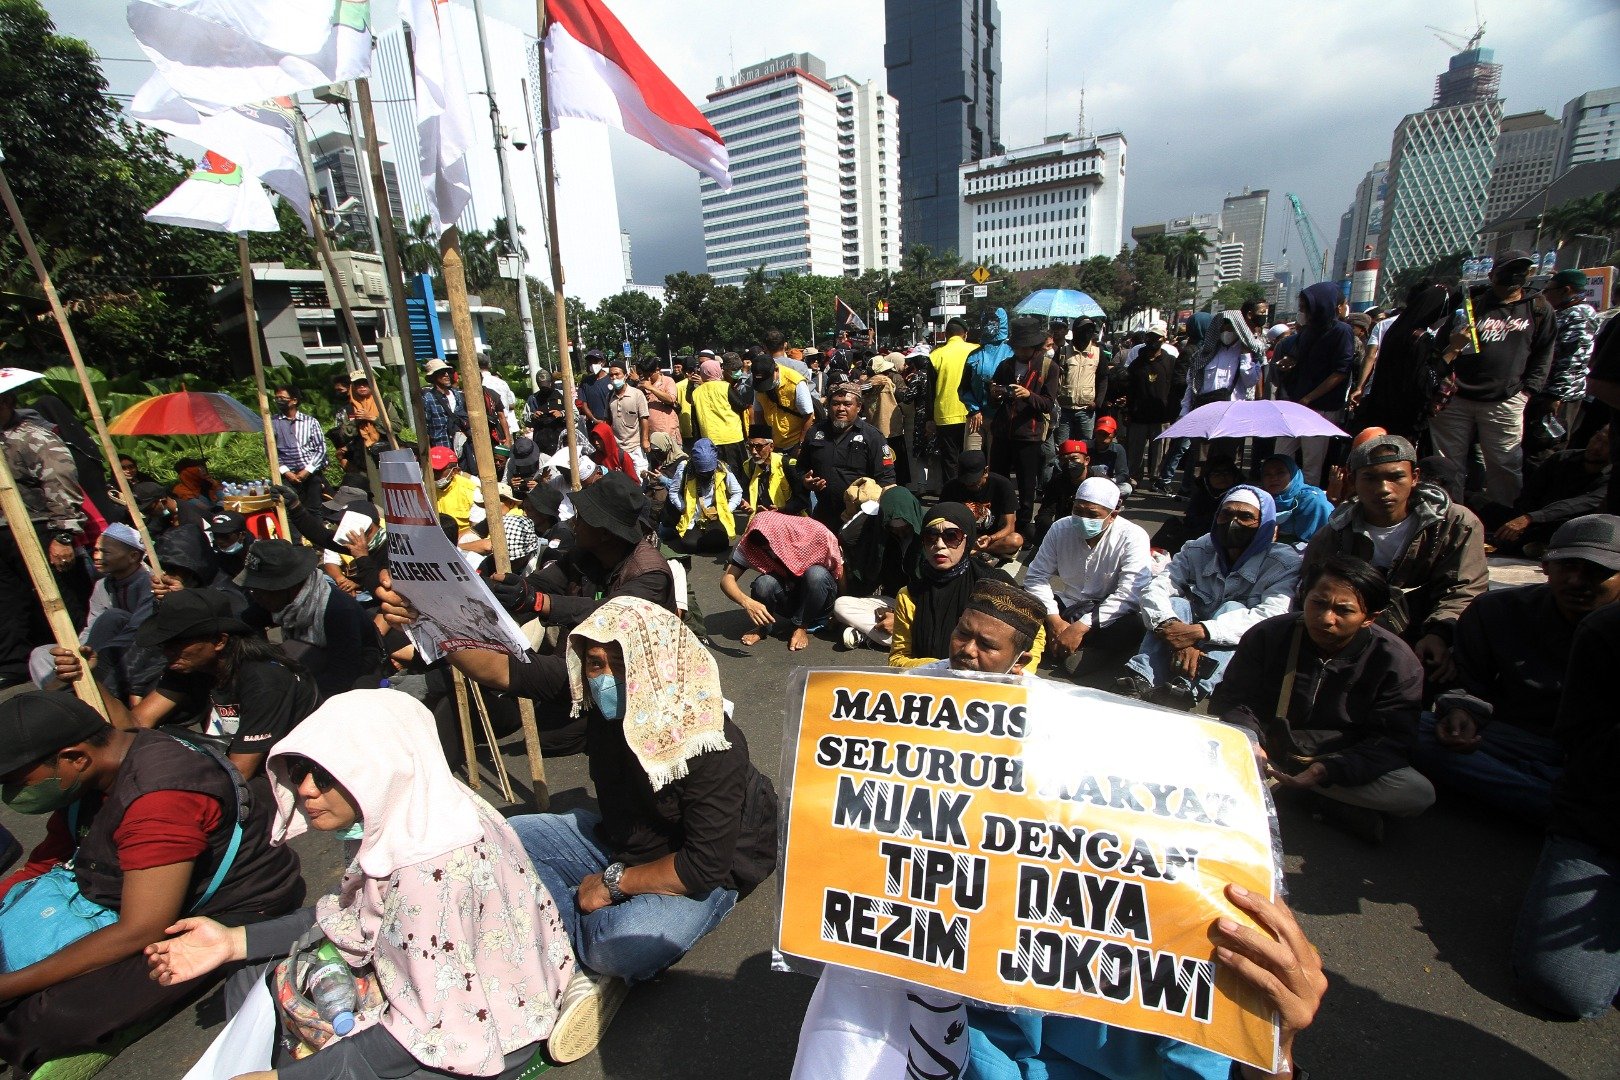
pixel 1155 662
pixel 1175 450
pixel 634 940
pixel 1512 769
pixel 805 603
pixel 1566 950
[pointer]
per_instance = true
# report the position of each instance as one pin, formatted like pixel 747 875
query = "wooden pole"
pixel 39 569
pixel 411 380
pixel 324 246
pixel 472 388
pixel 494 743
pixel 109 451
pixel 468 743
pixel 559 302
pixel 251 313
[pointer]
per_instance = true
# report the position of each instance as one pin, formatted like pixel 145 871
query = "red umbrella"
pixel 186 413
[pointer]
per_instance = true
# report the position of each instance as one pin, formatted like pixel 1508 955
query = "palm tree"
pixel 419 250
pixel 1186 252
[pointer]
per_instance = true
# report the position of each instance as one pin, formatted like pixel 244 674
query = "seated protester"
pixel 1217 475
pixel 687 824
pixel 322 627
pixel 606 450
pixel 705 498
pixel 766 485
pixel 148 823
pixel 120 601
pixel 1301 508
pixel 1566 486
pixel 543 506
pixel 522 471
pixel 1565 955
pixel 1432 551
pixel 1492 736
pixel 855 1030
pixel 1104 563
pixel 157 507
pixel 434 863
pixel 356 558
pixel 455 492
pixel 926 610
pixel 1108 457
pixel 1333 699
pixel 801 570
pixel 190 561
pixel 195 492
pixel 868 613
pixel 1073 466
pixel 224 684
pixel 1215 589
pixel 229 537
pixel 558 474
pixel 993 500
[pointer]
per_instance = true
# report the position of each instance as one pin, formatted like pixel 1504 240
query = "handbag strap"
pixel 1286 696
pixel 239 786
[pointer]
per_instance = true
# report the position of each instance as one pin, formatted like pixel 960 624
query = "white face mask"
pixel 596 369
pixel 1228 337
pixel 442 482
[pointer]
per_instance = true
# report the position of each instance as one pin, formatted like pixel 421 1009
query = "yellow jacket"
pixel 787 426
pixel 949 360
pixel 713 415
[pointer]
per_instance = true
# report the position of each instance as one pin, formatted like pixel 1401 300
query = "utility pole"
pixel 524 314
pixel 367 199
pixel 540 185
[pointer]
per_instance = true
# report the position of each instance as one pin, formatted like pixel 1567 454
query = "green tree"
pixel 418 249
pixel 1232 295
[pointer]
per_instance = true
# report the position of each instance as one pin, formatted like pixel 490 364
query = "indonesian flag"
pixel 231 52
pixel 219 197
pixel 259 137
pixel 596 71
pixel 443 116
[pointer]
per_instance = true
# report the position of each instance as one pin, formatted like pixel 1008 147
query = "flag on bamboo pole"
pixel 259 137
pixel 846 317
pixel 217 196
pixel 443 115
pixel 231 52
pixel 596 71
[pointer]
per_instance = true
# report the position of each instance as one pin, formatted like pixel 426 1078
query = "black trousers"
pixel 1022 461
pixel 24 624
pixel 948 437
pixel 735 457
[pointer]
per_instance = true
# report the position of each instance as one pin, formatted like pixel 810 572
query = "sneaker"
pixel 1133 686
pixel 1359 821
pixel 853 638
pixel 587 1009
pixel 1179 698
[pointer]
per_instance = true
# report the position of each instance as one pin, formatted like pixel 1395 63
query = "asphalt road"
pixel 1415 937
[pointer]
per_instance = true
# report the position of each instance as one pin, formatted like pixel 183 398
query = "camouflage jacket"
pixel 46 476
pixel 1572 353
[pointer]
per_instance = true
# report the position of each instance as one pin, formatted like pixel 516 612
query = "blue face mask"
pixel 608 695
pixel 231 549
pixel 1091 528
pixel 618 384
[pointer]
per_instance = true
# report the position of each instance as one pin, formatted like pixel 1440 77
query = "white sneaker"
pixel 853 638
pixel 588 1006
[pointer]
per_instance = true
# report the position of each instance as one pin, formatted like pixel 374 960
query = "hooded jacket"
pixel 1431 583
pixel 1326 347
pixel 1516 341
pixel 1263 580
pixel 982 363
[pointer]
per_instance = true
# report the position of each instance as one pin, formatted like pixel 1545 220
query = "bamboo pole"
pixel 494 744
pixel 474 780
pixel 324 247
pixel 39 570
pixel 108 451
pixel 250 312
pixel 411 380
pixel 472 388
pixel 559 302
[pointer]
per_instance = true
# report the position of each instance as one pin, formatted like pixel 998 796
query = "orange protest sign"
pixel 1027 844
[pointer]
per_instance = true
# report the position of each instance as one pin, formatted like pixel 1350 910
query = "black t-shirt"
pixel 990 506
pixel 264 702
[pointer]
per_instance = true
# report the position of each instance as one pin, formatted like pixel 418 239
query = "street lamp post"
pixel 811 303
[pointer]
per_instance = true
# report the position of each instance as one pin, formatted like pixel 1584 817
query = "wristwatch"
pixel 610 878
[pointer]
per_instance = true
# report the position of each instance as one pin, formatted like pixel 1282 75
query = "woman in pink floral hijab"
pixel 440 907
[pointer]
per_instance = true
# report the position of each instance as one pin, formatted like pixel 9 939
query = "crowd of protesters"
pixel 1329 596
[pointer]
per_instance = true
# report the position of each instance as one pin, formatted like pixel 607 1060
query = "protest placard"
pixel 1027 844
pixel 457 609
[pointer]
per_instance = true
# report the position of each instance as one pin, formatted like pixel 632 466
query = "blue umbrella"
pixel 1060 304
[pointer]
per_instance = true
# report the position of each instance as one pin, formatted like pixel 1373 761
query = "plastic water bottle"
pixel 330 985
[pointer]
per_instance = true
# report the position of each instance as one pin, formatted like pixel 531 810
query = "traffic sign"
pixel 980 275
pixel 981 291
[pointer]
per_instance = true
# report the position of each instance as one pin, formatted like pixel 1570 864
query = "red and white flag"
pixel 596 71
pixel 220 197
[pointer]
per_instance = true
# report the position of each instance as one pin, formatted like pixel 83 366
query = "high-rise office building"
pixel 587 203
pixel 944 63
pixel 1473 75
pixel 1367 224
pixel 1591 129
pixel 339 184
pixel 1060 201
pixel 1243 218
pixel 814 174
pixel 1341 247
pixel 1526 158
pixel 1440 171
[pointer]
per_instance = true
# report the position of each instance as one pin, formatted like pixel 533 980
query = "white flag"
pixel 259 137
pixel 218 196
pixel 443 116
pixel 231 52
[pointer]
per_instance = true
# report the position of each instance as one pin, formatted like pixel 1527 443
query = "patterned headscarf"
pixel 674 709
pixel 785 544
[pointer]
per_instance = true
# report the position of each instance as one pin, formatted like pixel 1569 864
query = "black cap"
pixel 614 503
pixel 761 431
pixel 190 614
pixel 226 522
pixel 1027 330
pixel 1384 450
pixel 1594 538
pixel 970 462
pixel 544 501
pixel 277 564
pixel 1508 258
pixel 150 491
pixel 35 725
pixel 525 455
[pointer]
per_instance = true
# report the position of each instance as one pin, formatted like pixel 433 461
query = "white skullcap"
pixel 125 535
pixel 1243 496
pixel 1099 490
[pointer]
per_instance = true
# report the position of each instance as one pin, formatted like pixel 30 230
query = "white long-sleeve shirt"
pixel 1110 571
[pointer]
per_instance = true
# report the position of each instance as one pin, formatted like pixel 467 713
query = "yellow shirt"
pixel 457 500
pixel 949 360
pixel 905 610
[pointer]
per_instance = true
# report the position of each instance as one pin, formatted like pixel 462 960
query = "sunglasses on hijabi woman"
pixel 298 768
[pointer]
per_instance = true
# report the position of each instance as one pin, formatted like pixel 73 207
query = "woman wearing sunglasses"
pixel 926 611
pixel 440 909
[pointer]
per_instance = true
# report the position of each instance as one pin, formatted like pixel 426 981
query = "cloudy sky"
pixel 1211 96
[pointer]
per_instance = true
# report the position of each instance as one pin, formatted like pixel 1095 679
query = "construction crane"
pixel 1455 40
pixel 1312 239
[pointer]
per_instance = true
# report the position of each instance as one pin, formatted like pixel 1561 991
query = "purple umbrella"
pixel 1252 419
